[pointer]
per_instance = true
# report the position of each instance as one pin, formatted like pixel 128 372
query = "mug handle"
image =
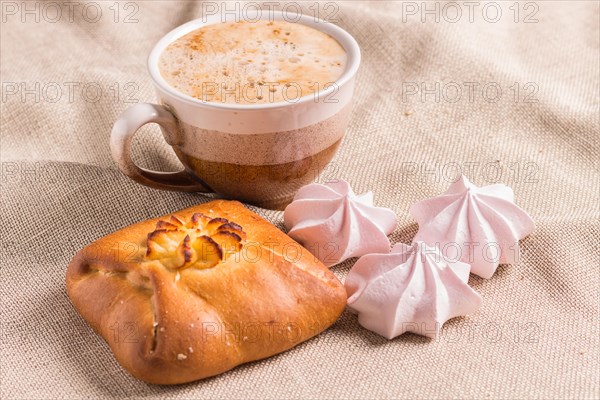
pixel 121 138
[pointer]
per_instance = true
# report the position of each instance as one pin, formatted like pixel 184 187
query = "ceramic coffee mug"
pixel 256 153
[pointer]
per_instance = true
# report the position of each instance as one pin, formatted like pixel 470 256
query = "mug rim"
pixel 345 39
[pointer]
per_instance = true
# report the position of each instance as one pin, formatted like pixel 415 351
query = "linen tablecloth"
pixel 503 92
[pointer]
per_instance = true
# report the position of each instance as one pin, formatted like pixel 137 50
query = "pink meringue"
pixel 480 226
pixel 412 289
pixel 335 224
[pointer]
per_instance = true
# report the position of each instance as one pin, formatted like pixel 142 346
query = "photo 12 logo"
pixel 70 92
pixel 470 251
pixel 469 91
pixel 488 171
pixel 515 332
pixel 70 11
pixel 270 92
pixel 254 331
pixel 469 11
pixel 252 11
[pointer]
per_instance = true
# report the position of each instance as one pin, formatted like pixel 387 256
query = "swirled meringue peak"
pixel 335 224
pixel 478 225
pixel 411 289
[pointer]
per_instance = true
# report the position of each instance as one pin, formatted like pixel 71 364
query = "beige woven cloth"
pixel 537 334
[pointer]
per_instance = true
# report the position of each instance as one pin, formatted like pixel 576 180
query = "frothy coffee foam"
pixel 252 62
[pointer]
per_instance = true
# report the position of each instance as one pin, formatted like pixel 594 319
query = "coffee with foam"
pixel 252 62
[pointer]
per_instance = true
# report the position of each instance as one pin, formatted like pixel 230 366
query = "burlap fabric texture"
pixel 513 101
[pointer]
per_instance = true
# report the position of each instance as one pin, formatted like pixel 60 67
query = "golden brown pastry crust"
pixel 169 325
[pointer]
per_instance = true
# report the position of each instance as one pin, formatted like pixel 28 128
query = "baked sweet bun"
pixel 196 293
